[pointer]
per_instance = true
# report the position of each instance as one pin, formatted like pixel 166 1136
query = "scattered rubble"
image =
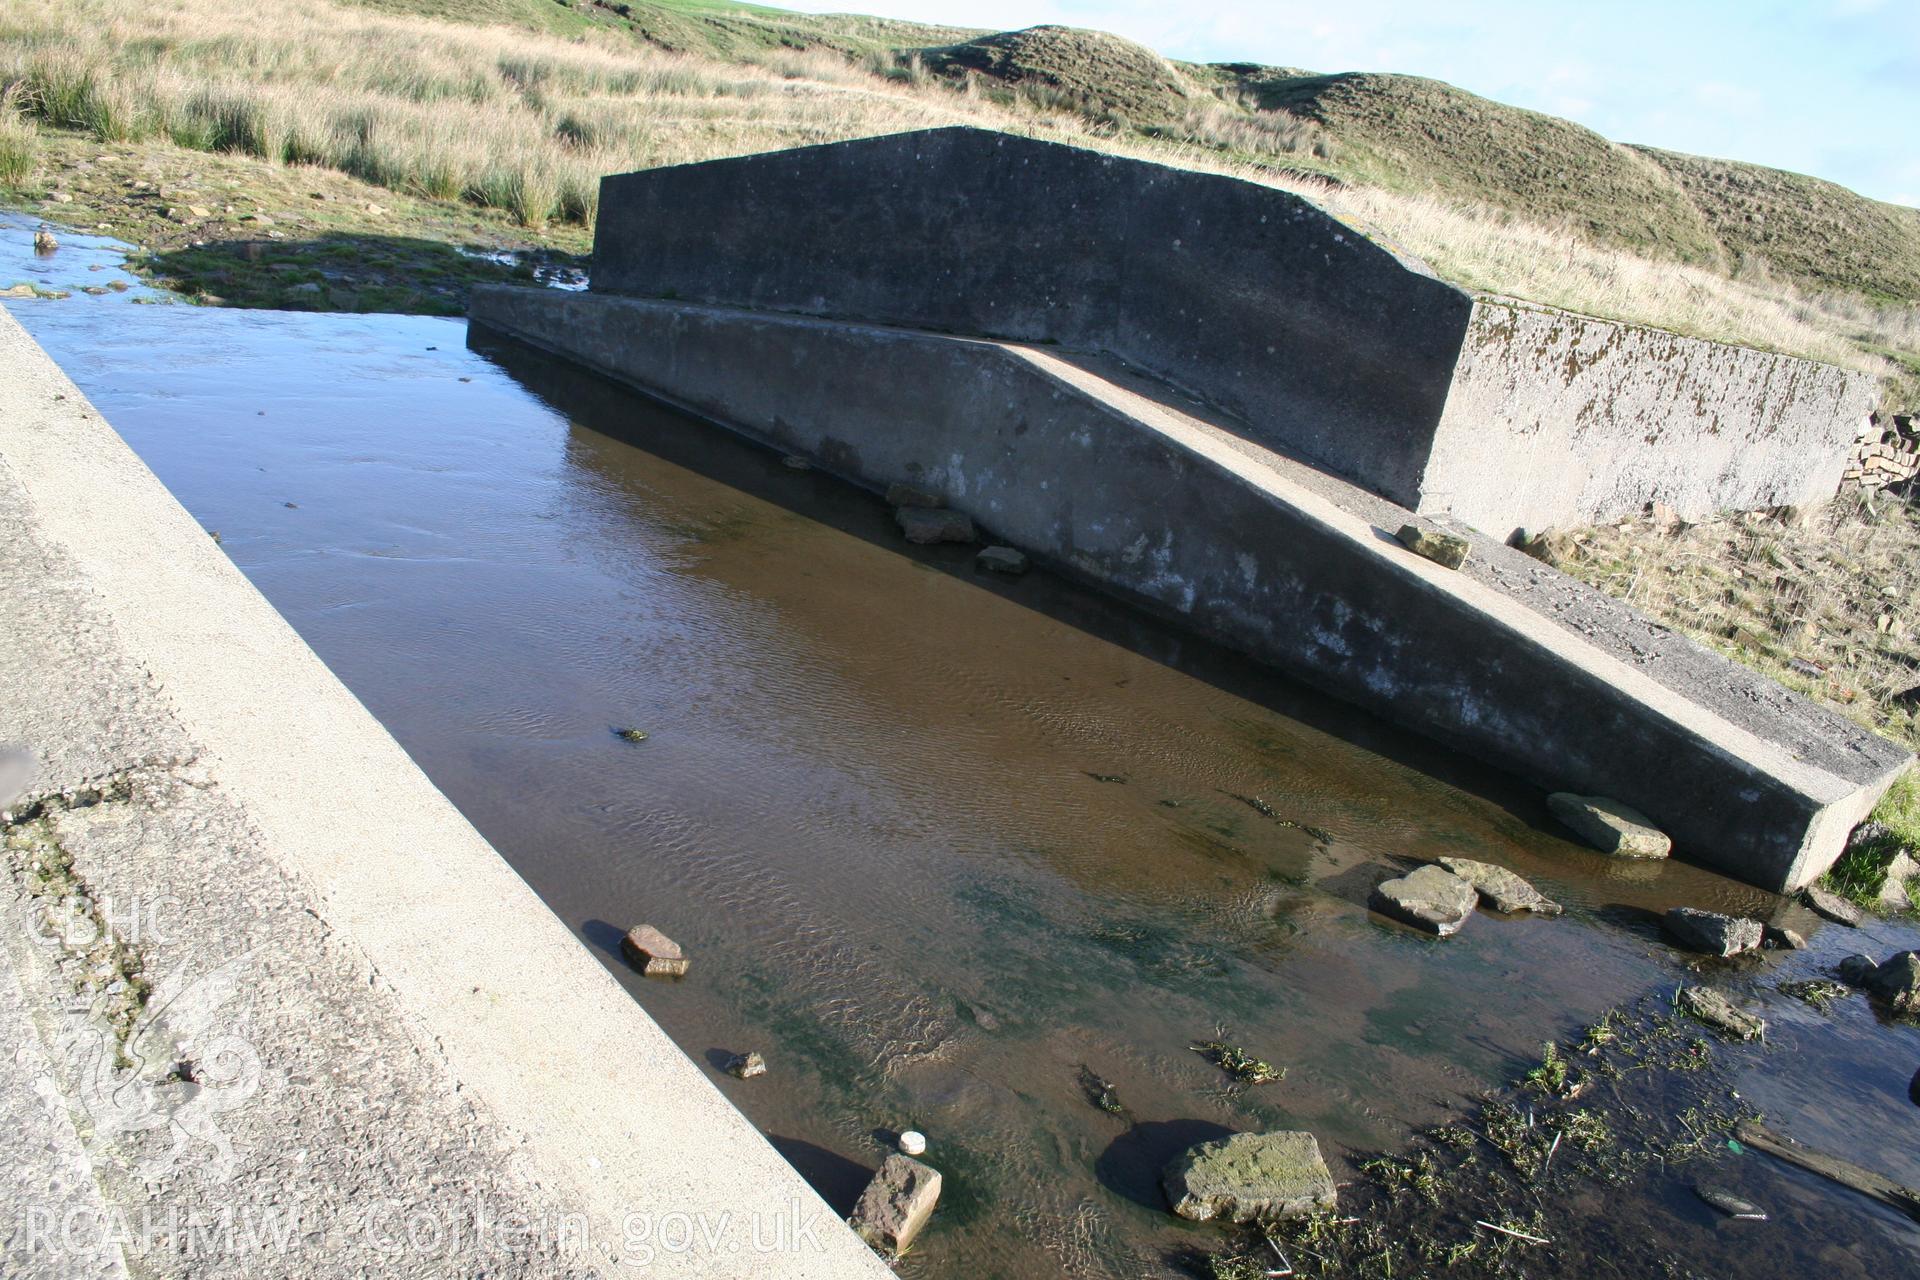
pixel 1886 452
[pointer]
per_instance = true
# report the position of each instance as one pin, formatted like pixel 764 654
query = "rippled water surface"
pixel 934 840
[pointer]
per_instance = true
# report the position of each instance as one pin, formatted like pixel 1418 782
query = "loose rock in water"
pixel 1500 888
pixel 1250 1177
pixel 1609 826
pixel 746 1065
pixel 1717 1011
pixel 1831 905
pixel 1730 1204
pixel 653 952
pixel 1430 898
pixel 896 1204
pixel 1711 932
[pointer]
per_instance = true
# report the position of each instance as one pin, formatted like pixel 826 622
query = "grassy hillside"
pixel 1802 228
pixel 1415 134
pixel 1098 75
pixel 518 107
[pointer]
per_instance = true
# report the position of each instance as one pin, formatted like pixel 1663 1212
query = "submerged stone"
pixel 1714 1009
pixel 1500 888
pixel 1831 905
pixel 934 524
pixel 1444 549
pixel 1609 826
pixel 896 1204
pixel 653 952
pixel 1711 932
pixel 1430 898
pixel 1730 1204
pixel 746 1066
pixel 1250 1177
pixel 1005 560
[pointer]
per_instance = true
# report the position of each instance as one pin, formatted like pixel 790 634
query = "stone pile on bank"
pixel 1887 452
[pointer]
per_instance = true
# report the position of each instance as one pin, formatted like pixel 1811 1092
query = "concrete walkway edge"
pixel 615 1117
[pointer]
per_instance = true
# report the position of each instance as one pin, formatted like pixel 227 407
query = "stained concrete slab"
pixel 1133 485
pixel 370 1048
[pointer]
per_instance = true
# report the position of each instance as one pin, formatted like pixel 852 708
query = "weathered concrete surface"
pixel 1114 478
pixel 1558 419
pixel 1320 340
pixel 389 1047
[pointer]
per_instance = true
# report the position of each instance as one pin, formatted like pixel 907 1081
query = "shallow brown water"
pixel 934 840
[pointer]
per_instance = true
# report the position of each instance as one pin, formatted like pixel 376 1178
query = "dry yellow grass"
pixel 529 122
pixel 1827 603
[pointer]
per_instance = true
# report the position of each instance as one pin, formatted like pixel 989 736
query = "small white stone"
pixel 913 1142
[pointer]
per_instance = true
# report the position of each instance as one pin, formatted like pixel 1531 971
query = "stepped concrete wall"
pixel 1323 342
pixel 1121 481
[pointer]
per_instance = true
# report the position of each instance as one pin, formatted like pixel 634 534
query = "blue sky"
pixel 1827 87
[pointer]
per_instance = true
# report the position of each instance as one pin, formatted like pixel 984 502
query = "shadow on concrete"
pixel 612 410
pixel 1132 1163
pixel 835 1178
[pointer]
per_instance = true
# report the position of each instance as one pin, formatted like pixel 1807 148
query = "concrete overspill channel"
pixel 941 846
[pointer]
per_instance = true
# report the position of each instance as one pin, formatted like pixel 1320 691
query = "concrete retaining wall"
pixel 1324 343
pixel 1123 485
pixel 1558 419
pixel 1252 298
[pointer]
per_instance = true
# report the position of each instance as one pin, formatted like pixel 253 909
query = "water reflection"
pixel 935 839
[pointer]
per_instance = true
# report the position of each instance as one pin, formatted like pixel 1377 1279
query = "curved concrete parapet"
pixel 1319 339
pixel 412 993
pixel 1121 480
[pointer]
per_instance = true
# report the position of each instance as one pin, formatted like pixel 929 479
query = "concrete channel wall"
pixel 151 658
pixel 1124 483
pixel 1558 419
pixel 1321 340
